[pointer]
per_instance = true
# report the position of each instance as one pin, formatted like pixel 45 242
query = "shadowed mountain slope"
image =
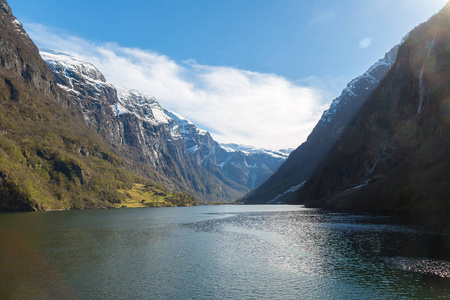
pixel 303 161
pixel 394 156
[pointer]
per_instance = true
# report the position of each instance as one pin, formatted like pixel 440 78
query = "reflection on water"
pixel 435 267
pixel 223 252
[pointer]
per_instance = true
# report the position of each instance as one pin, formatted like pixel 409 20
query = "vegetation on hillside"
pixel 154 195
pixel 49 158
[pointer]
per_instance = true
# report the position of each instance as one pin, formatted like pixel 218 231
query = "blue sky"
pixel 278 63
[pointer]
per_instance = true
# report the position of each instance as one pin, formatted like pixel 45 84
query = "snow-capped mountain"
pixel 181 154
pixel 136 124
pixel 282 153
pixel 302 162
pixel 244 165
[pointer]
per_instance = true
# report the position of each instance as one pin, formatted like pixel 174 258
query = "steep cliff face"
pixel 394 156
pixel 304 160
pixel 245 166
pixel 136 125
pixel 21 57
pixel 49 158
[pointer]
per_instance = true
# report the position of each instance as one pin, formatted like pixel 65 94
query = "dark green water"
pixel 222 252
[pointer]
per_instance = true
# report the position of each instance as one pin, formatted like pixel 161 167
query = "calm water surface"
pixel 222 252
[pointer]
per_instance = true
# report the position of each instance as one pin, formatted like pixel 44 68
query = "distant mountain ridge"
pixel 247 166
pixel 302 161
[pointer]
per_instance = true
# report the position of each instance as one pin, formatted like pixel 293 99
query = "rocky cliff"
pixel 20 57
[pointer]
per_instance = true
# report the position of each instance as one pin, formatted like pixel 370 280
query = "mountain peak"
pixel 184 123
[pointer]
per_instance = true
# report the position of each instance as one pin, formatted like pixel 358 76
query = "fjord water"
pixel 222 252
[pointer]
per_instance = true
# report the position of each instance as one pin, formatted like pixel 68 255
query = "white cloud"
pixel 365 43
pixel 239 106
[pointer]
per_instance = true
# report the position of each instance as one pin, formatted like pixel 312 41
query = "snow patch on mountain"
pixel 144 106
pixel 70 64
pixel 277 199
pixel 17 23
pixel 19 27
pixel 68 89
pixel 119 109
pixel 184 124
pixel 227 149
pixel 283 153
